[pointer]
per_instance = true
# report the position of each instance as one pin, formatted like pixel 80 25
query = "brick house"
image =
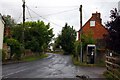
pixel 94 25
pixel 98 31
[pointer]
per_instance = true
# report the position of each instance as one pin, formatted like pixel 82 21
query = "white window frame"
pixel 92 23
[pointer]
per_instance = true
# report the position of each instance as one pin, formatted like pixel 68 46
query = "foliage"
pixel 37 35
pixel 87 39
pixel 67 38
pixel 3 54
pixel 77 47
pixel 56 44
pixel 15 48
pixel 33 58
pixel 9 21
pixel 113 39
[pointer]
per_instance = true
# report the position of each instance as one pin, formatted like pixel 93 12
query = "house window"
pixel 92 23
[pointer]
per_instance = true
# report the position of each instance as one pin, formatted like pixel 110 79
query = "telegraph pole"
pixel 81 54
pixel 23 12
pixel 23 21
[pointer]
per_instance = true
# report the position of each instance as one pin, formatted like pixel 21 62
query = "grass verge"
pixel 33 58
pixel 58 52
pixel 78 63
pixel 108 76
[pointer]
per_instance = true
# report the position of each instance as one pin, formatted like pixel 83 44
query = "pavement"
pixel 54 66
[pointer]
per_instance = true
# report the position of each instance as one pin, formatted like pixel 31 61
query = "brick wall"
pixel 98 30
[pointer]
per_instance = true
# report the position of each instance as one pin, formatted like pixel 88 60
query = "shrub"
pixel 3 52
pixel 15 47
pixel 77 47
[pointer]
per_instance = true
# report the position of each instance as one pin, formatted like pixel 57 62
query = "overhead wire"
pixel 43 17
pixel 61 12
pixel 19 17
pixel 48 14
pixel 29 14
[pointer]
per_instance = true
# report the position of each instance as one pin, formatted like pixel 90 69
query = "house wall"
pixel 1 32
pixel 98 30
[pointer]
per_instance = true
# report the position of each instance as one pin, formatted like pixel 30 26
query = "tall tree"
pixel 67 39
pixel 37 35
pixel 9 21
pixel 113 39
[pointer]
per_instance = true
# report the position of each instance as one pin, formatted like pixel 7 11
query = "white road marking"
pixel 14 72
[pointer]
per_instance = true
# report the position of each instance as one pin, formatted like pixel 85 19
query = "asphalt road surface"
pixel 54 66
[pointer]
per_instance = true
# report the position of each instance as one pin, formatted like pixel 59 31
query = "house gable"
pixel 95 26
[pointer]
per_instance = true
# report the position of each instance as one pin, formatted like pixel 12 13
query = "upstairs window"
pixel 92 23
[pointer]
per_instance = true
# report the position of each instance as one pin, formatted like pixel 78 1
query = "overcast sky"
pixel 58 12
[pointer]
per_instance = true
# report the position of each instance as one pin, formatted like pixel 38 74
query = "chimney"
pixel 97 17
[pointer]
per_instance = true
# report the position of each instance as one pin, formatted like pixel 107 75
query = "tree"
pixel 77 48
pixel 113 39
pixel 9 21
pixel 15 48
pixel 67 39
pixel 37 35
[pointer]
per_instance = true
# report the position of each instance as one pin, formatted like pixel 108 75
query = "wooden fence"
pixel 113 64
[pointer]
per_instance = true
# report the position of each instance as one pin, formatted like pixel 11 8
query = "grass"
pixel 78 63
pixel 108 75
pixel 33 58
pixel 58 52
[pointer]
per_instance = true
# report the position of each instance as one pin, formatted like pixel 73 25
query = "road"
pixel 54 66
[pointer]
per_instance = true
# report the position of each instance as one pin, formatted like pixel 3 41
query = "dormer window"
pixel 92 23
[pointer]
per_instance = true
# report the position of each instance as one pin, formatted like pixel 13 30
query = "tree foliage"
pixel 37 35
pixel 113 39
pixel 67 38
pixel 15 48
pixel 9 21
pixel 77 49
pixel 87 39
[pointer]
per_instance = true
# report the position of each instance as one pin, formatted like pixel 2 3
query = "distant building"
pixel 1 31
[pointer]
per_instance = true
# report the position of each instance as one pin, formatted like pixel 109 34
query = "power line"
pixel 19 17
pixel 61 12
pixel 42 17
pixel 42 7
pixel 29 13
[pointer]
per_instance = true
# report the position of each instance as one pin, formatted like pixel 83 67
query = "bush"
pixel 77 47
pixel 3 52
pixel 15 47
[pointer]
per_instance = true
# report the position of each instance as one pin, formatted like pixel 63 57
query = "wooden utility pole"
pixel 80 16
pixel 23 12
pixel 81 54
pixel 23 22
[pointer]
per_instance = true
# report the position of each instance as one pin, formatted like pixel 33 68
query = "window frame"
pixel 92 23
